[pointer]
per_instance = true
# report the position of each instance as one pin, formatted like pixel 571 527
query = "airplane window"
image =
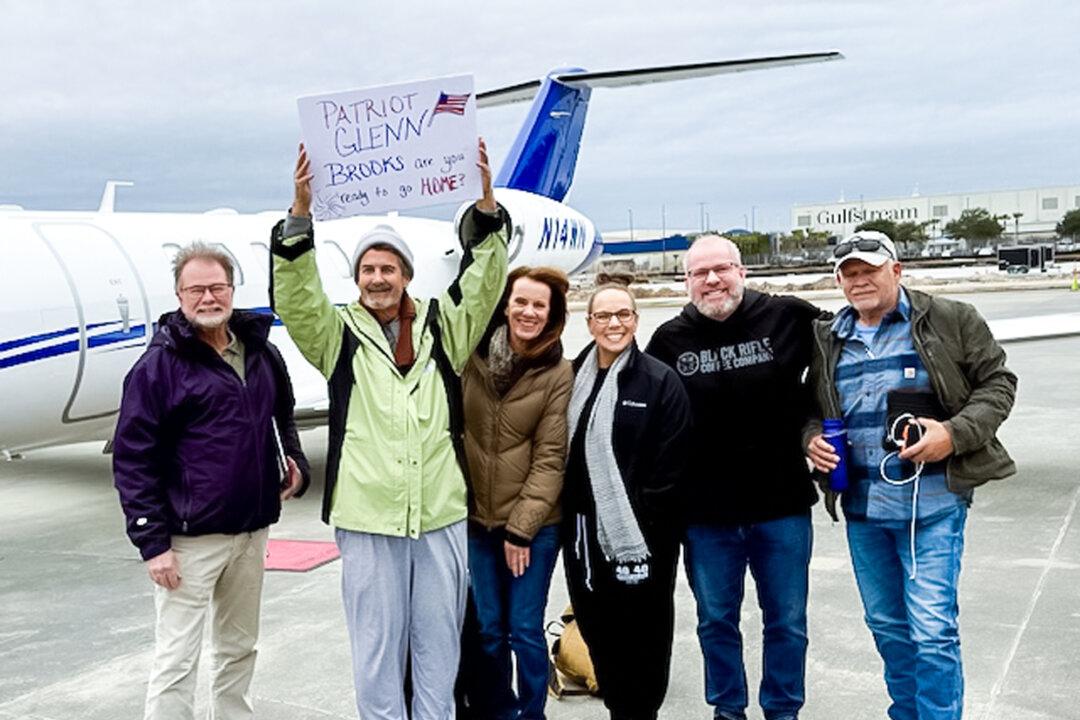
pixel 261 251
pixel 170 250
pixel 333 254
pixel 238 269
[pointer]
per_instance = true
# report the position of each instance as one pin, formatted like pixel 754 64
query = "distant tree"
pixel 882 225
pixel 755 243
pixel 1070 225
pixel 792 243
pixel 976 225
pixel 816 239
pixel 911 236
pixel 800 240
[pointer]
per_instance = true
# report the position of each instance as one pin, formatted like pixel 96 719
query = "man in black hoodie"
pixel 741 355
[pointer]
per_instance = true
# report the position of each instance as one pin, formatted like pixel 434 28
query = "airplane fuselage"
pixel 82 293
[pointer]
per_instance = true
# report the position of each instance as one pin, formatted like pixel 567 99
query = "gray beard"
pixel 373 303
pixel 720 310
pixel 205 323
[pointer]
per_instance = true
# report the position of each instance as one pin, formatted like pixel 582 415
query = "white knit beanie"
pixel 383 235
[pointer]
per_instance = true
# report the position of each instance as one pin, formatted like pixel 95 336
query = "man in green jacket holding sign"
pixel 395 491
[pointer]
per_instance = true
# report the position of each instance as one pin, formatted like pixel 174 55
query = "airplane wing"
pixel 1038 327
pixel 523 92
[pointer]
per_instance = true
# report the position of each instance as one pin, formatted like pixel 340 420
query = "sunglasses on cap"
pixel 863 245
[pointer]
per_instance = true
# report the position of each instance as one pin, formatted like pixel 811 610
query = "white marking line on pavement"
pixel 1000 684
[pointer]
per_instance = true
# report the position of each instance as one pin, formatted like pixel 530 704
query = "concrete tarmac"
pixel 76 608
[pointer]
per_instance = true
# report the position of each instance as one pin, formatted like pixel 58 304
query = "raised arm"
pixel 296 293
pixel 465 307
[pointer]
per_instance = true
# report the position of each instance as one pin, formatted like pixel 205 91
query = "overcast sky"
pixel 195 101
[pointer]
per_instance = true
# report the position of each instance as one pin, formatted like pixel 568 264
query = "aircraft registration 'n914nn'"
pixel 82 290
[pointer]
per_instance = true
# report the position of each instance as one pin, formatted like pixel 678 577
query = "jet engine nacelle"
pixel 546 232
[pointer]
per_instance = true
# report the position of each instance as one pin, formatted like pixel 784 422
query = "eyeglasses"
pixel 721 269
pixel 195 292
pixel 623 316
pixel 863 244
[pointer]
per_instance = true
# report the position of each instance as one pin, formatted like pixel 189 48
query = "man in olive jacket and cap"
pixel 926 374
pixel 395 488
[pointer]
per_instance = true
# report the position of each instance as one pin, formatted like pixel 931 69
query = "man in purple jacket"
pixel 205 451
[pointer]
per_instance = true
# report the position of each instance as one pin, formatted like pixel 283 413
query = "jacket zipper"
pixel 495 446
pixel 927 356
pixel 581 549
pixel 245 404
pixel 355 327
pixel 935 379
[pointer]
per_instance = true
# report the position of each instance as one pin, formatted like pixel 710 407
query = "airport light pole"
pixel 630 212
pixel 702 205
pixel 663 238
pixel 1016 226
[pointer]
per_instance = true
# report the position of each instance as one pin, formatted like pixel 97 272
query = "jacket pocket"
pixel 990 462
pixel 187 498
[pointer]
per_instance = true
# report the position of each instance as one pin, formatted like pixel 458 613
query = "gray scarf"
pixel 501 360
pixel 618 533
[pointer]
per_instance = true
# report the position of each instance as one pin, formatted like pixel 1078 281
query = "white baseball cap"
pixel 870 246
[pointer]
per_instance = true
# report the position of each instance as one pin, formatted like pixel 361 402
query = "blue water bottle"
pixel 835 434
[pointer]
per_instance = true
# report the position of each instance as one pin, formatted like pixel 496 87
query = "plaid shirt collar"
pixel 843 325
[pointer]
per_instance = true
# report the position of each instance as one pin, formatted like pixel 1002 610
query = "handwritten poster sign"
pixel 392 147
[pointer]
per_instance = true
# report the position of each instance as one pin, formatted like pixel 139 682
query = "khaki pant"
pixel 222 575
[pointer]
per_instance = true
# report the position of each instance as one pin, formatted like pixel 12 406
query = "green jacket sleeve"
pixel 312 321
pixel 993 385
pixel 465 308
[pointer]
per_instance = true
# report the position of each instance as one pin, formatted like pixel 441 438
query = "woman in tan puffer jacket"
pixel 515 389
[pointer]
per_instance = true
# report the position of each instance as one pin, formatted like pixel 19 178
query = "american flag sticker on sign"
pixel 450 104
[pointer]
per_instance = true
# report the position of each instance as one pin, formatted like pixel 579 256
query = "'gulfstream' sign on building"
pixel 855 214
pixel 1031 212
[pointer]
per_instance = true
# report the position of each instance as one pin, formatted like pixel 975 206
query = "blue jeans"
pixel 914 622
pixel 778 554
pixel 510 612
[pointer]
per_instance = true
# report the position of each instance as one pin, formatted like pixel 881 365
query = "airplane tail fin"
pixel 544 154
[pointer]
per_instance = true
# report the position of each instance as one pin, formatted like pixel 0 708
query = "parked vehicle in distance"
pixel 1015 259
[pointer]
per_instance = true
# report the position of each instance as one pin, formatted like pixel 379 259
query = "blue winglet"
pixel 544 154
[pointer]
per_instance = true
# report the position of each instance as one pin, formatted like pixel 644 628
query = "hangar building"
pixel 1031 213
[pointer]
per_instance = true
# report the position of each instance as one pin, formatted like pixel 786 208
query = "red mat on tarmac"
pixel 299 555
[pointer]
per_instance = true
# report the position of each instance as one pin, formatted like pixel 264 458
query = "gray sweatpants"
pixel 403 595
